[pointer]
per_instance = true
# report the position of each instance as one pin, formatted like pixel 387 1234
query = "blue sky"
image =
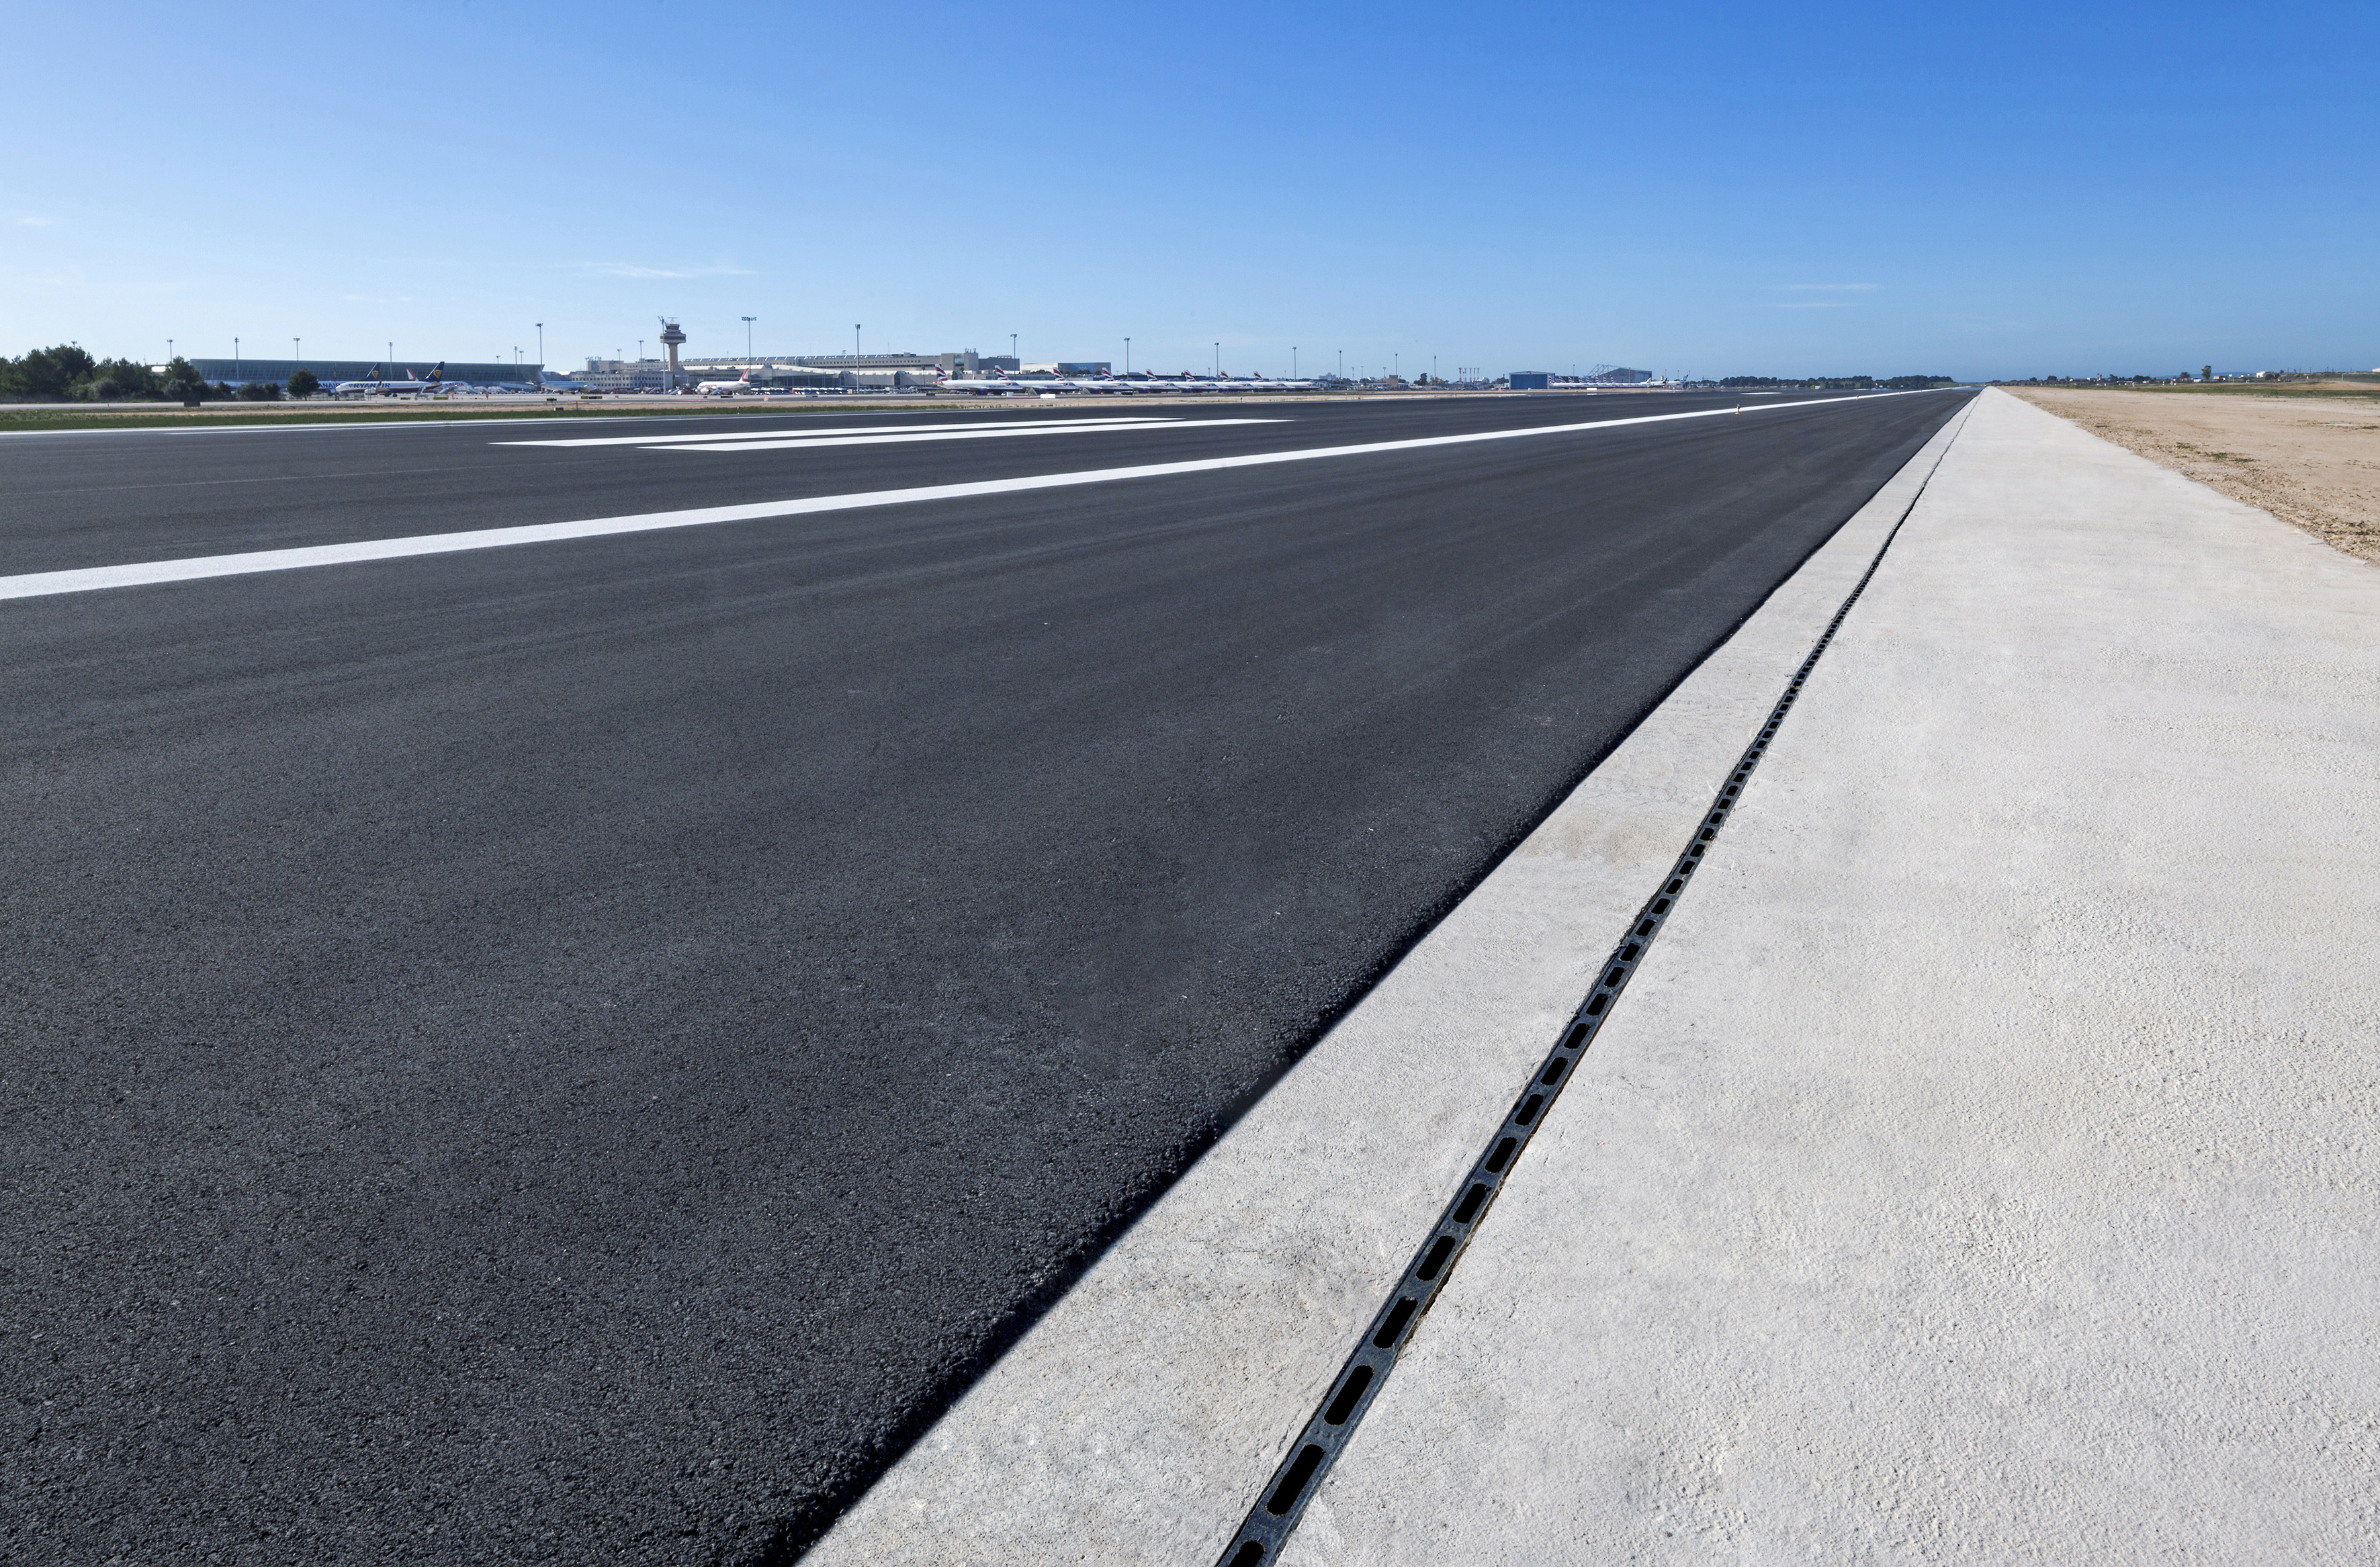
pixel 1976 190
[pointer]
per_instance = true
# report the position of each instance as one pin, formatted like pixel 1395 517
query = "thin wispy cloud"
pixel 37 222
pixel 629 268
pixel 376 299
pixel 1819 288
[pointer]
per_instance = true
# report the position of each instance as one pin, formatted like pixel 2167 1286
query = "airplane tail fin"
pixel 437 373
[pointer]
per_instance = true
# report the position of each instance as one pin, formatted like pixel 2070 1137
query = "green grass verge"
pixel 2353 394
pixel 36 416
pixel 60 416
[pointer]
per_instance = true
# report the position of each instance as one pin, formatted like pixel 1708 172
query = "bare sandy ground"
pixel 2313 462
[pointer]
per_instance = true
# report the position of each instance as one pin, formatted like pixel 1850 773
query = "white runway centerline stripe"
pixel 781 433
pixel 143 572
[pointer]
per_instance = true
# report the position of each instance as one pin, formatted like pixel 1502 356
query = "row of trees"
pixel 2110 379
pixel 66 374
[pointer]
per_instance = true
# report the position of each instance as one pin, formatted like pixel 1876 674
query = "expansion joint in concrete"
pixel 1333 1423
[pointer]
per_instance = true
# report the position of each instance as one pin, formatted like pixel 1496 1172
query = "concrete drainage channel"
pixel 1328 1431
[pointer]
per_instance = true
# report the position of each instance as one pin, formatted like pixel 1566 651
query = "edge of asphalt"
pixel 1138 1419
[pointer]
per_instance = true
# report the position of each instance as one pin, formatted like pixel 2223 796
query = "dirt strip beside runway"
pixel 2313 462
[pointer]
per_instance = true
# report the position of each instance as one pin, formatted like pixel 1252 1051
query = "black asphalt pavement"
pixel 576 1052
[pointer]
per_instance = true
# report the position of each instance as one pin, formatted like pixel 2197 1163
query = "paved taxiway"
pixel 576 1050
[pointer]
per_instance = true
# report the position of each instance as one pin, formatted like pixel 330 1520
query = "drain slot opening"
pixel 1439 1250
pixel 1293 1485
pixel 1272 1519
pixel 1349 1393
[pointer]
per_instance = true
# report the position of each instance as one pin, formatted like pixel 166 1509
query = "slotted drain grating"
pixel 1283 1499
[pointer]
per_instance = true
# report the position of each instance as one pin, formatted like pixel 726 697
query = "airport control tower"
pixel 671 338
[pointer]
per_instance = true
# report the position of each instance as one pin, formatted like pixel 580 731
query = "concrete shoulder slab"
pixel 1984 1166
pixel 1138 1420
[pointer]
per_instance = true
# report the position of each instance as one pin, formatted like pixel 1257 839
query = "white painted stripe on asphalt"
pixel 980 434
pixel 282 425
pixel 782 433
pixel 40 583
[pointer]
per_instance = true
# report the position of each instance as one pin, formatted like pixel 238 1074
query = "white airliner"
pixel 391 388
pixel 735 388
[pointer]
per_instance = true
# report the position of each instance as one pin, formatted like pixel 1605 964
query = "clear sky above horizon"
pixel 1737 189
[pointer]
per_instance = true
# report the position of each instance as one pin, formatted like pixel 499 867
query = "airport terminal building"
pixel 852 371
pixel 330 373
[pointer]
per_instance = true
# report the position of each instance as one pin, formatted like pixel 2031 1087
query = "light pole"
pixel 294 351
pixel 1012 350
pixel 391 356
pixel 1219 361
pixel 234 358
pixel 540 353
pixel 1343 364
pixel 1293 362
pixel 169 350
pixel 747 337
pixel 1127 355
pixel 855 340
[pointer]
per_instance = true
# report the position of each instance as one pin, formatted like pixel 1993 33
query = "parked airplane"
pixel 735 388
pixel 373 384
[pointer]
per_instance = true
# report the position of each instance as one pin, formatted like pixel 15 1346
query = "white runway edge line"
pixel 42 584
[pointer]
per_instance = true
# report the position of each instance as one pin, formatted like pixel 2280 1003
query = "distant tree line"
pixel 2110 379
pixel 1834 382
pixel 67 374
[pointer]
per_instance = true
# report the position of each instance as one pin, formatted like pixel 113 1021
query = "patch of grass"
pixel 51 415
pixel 2353 394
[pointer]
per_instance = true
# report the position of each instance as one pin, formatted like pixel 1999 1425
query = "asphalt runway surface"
pixel 578 1052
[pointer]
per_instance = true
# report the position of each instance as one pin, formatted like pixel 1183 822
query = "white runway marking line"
pixel 43 584
pixel 1137 422
pixel 985 434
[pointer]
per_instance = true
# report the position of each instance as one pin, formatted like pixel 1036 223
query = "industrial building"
pixel 852 371
pixel 624 376
pixel 823 372
pixel 330 373
pixel 1600 376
